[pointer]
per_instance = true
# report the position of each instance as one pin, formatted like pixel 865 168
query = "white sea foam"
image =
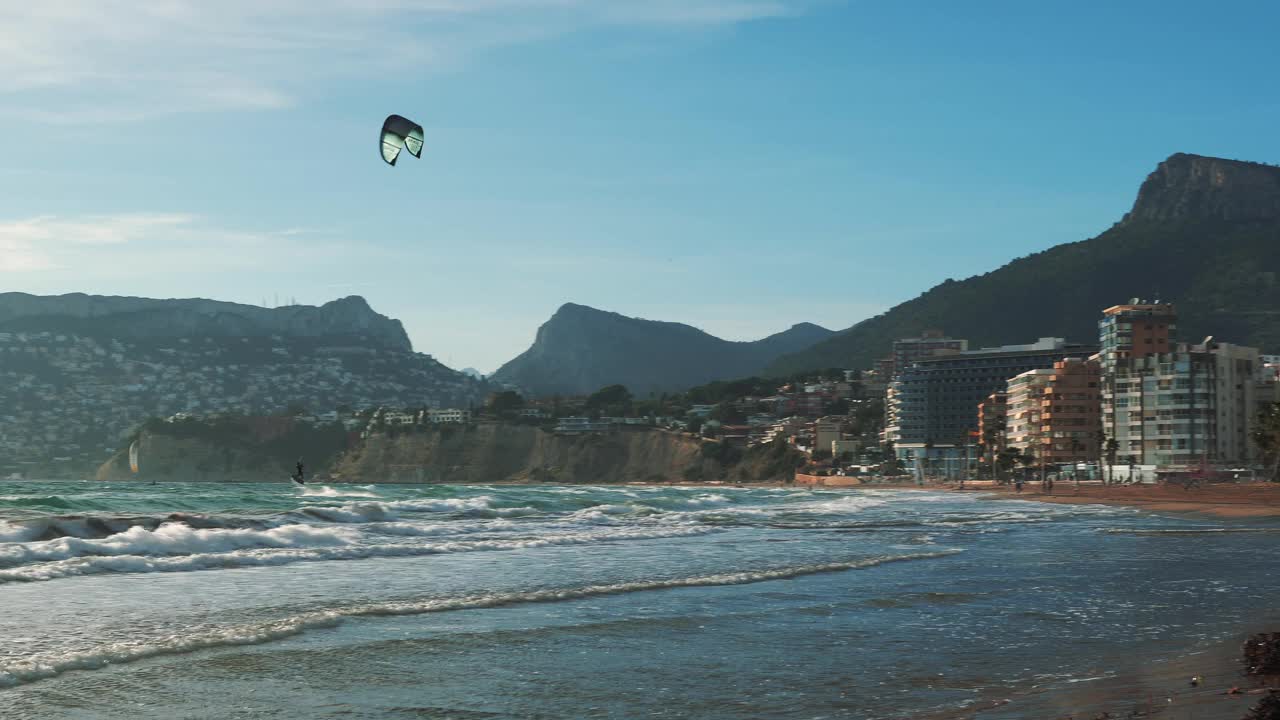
pixel 350 513
pixel 710 499
pixel 596 511
pixel 15 533
pixel 444 505
pixel 839 505
pixel 378 511
pixel 51 567
pixel 326 491
pixel 175 539
pixel 406 529
pixel 51 665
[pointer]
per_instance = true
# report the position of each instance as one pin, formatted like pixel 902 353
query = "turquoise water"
pixel 266 601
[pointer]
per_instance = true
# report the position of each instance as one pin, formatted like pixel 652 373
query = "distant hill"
pixel 581 349
pixel 78 372
pixel 1204 234
pixel 140 318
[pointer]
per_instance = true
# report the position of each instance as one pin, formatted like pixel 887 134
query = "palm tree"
pixel 1113 451
pixel 1028 460
pixel 1099 452
pixel 1267 436
pixel 889 460
pixel 1076 447
pixel 992 444
pixel 1006 459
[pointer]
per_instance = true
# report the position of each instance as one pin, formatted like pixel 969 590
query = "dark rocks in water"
pixel 1268 708
pixel 1262 654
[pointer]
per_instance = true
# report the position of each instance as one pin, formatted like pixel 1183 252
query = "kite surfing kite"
pixel 398 133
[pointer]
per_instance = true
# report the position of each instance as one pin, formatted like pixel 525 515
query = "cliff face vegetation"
pixel 516 453
pixel 1202 234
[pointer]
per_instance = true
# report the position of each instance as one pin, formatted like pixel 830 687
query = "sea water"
pixel 271 601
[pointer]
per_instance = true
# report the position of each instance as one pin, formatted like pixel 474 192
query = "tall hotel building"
pixel 1173 405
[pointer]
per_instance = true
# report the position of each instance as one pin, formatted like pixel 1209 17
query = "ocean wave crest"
pixel 42 667
pixel 151 555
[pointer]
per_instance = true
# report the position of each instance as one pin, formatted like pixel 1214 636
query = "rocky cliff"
pixel 1194 187
pixel 519 453
pixel 140 318
pixel 231 450
pixel 483 453
pixel 581 349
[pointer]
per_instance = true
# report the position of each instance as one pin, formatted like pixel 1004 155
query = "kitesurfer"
pixel 298 475
pixel 397 133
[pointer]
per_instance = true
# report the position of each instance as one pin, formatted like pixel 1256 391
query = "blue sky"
pixel 739 165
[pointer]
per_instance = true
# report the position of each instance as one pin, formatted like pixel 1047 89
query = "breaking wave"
pixel 102 526
pixel 178 550
pixel 326 491
pixel 43 667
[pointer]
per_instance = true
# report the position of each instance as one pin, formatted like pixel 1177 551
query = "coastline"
pixel 1160 687
pixel 1235 500
pixel 1148 682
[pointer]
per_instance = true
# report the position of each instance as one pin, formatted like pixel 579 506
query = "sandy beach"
pixel 1235 500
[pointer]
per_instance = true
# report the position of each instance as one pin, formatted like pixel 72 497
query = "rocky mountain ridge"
pixel 581 349
pixel 135 317
pixel 1195 187
pixel 75 376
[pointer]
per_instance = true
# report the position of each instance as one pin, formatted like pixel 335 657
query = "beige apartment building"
pixel 1071 412
pixel 1024 410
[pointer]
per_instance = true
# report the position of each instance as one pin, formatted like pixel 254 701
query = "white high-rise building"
pixel 1174 405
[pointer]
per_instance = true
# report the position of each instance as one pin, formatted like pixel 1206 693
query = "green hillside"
pixel 1204 234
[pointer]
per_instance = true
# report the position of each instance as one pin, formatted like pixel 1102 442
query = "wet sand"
pixel 1234 500
pixel 1162 689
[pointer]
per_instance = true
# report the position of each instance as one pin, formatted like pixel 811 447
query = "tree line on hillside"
pixel 1224 278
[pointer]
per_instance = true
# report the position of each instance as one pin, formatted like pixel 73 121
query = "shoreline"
pixel 1258 499
pixel 1156 683
pixel 1160 687
pixel 1235 500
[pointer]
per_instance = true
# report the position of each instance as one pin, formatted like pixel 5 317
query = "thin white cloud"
pixel 144 245
pixel 119 60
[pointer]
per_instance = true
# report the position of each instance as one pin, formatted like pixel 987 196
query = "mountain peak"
pixel 581 349
pixel 807 327
pixel 574 310
pixel 352 301
pixel 1195 187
